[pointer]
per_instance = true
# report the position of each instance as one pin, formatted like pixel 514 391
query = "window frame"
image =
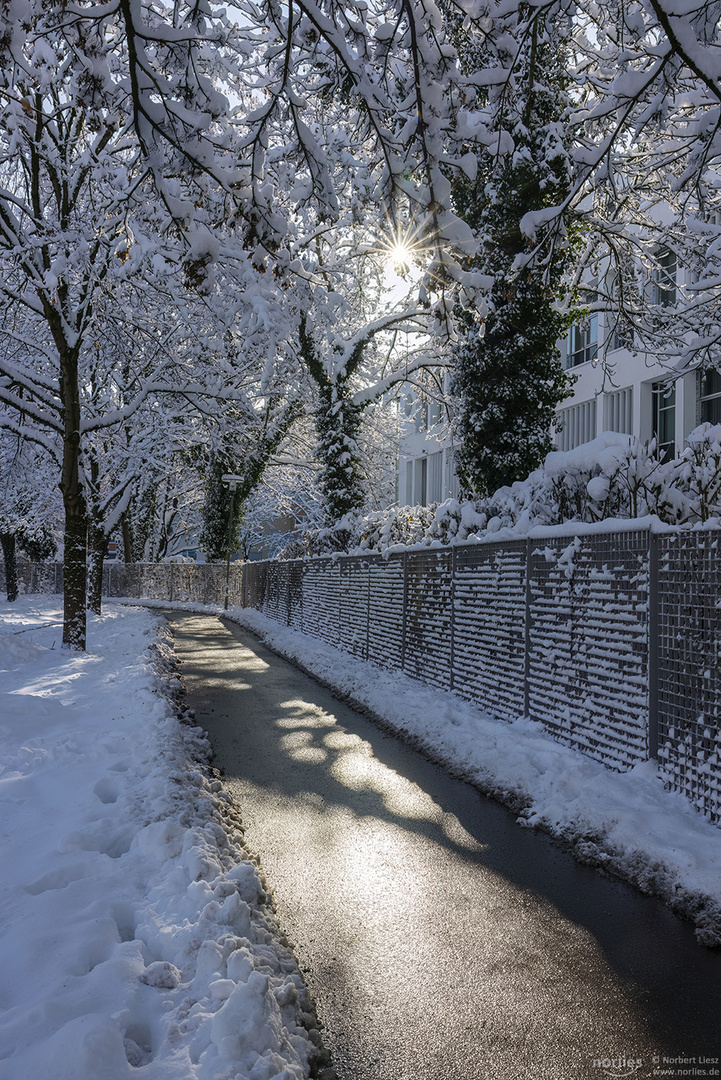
pixel 659 391
pixel 704 398
pixel 665 288
pixel 587 346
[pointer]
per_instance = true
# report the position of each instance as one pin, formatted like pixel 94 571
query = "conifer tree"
pixel 507 372
pixel 338 421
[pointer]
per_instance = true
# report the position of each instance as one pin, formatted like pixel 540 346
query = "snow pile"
pixel 613 478
pixel 137 932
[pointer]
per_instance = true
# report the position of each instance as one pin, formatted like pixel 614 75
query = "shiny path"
pixel 441 940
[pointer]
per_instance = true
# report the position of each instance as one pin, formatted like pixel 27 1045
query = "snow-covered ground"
pixel 136 935
pixel 623 823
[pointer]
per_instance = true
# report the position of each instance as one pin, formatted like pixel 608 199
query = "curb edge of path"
pixel 321 1066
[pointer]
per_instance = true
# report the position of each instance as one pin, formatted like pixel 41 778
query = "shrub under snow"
pixel 612 477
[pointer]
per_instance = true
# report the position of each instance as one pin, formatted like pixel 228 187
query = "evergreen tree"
pixel 507 373
pixel 338 420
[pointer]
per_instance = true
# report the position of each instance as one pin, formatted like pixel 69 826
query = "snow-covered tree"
pixel 69 174
pixel 242 449
pixel 646 191
pixel 350 373
pixel 507 371
pixel 108 302
pixel 29 506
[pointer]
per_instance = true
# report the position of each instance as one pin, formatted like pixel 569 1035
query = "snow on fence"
pixel 611 640
pixel 556 630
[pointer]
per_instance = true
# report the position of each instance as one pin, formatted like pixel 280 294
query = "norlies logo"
pixel 618 1067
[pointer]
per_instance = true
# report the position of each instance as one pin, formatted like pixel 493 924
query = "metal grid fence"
pixel 689 666
pixel 556 631
pixel 612 641
pixel 36 577
pixel 588 641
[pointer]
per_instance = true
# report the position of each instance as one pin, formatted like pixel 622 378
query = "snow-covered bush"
pixel 612 477
pixel 699 471
pixel 383 529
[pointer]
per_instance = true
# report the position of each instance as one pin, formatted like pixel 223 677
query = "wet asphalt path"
pixel 440 940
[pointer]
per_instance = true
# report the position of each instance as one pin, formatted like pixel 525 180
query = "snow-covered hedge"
pixel 612 477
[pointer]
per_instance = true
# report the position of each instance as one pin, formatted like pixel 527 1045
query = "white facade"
pixel 630 394
pixel 619 391
pixel 425 467
pixel 615 390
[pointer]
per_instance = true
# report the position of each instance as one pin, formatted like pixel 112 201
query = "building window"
pixel 710 396
pixel 434 413
pixel 582 342
pixel 435 477
pixel 577 425
pixel 622 336
pixel 620 329
pixel 664 279
pixel 451 484
pixel 420 480
pixel 663 397
pixel 618 411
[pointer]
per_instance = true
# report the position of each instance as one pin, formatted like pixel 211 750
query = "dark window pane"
pixel 666 427
pixel 664 278
pixel 583 342
pixel 664 418
pixel 711 410
pixel 710 383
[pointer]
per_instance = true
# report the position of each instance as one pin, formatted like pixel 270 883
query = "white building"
pixel 426 472
pixel 615 390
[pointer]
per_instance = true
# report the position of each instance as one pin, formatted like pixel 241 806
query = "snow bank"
pixel 138 934
pixel 623 823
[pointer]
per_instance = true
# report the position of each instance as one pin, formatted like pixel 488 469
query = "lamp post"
pixel 231 482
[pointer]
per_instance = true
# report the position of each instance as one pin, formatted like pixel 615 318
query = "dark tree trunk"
pixel 127 539
pixel 98 547
pixel 75 569
pixel 11 567
pixel 75 574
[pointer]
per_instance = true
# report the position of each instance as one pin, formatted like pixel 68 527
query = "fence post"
pixel 527 637
pixel 339 609
pixel 368 610
pixel 653 635
pixel 302 595
pixel 453 616
pixel 404 625
pixel 171 576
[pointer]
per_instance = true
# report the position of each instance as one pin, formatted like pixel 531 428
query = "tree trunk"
pixel 98 547
pixel 75 569
pixel 11 567
pixel 127 539
pixel 75 573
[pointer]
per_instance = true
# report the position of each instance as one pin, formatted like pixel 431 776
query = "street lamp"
pixel 231 482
